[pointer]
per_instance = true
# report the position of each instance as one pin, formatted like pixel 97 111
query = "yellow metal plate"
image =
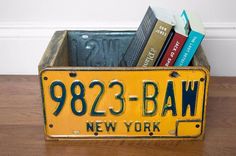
pixel 124 103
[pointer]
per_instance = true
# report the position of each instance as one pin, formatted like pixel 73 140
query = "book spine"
pixel 173 50
pixel 154 44
pixel 165 46
pixel 189 48
pixel 140 39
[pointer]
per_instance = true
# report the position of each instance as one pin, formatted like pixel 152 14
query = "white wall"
pixel 27 25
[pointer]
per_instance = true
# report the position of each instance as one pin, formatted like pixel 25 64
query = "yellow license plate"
pixel 137 103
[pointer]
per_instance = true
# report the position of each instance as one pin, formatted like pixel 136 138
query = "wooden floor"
pixel 21 126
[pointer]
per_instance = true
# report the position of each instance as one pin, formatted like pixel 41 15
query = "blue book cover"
pixel 196 34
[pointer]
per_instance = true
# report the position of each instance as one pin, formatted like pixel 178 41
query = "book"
pixel 176 44
pixel 196 34
pixel 163 50
pixel 149 38
pixel 159 38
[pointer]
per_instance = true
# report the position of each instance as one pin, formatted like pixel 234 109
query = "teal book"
pixel 196 33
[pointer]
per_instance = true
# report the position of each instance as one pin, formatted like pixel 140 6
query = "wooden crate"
pixel 92 57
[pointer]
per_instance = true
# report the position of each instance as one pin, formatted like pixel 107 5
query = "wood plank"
pixel 21 126
pixel 56 52
pixel 200 59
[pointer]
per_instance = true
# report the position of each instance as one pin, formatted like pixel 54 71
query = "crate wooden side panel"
pixel 200 59
pixel 56 53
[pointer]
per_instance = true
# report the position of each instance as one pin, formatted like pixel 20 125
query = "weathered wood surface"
pixel 56 53
pixel 21 126
pixel 199 59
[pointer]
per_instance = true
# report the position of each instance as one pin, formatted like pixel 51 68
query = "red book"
pixel 176 43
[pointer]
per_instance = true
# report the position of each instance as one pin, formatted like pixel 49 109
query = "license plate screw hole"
pixel 174 74
pixel 202 79
pixel 45 78
pixel 96 133
pixel 197 125
pixel 51 125
pixel 151 133
pixel 72 74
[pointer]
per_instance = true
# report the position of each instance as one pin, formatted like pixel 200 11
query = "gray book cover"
pixel 137 45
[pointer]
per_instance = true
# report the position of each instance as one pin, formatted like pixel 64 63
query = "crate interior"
pixel 94 49
pixel 97 48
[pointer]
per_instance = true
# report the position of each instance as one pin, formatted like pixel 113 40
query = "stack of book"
pixel 164 39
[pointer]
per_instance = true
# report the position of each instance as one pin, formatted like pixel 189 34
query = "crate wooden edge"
pixel 49 138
